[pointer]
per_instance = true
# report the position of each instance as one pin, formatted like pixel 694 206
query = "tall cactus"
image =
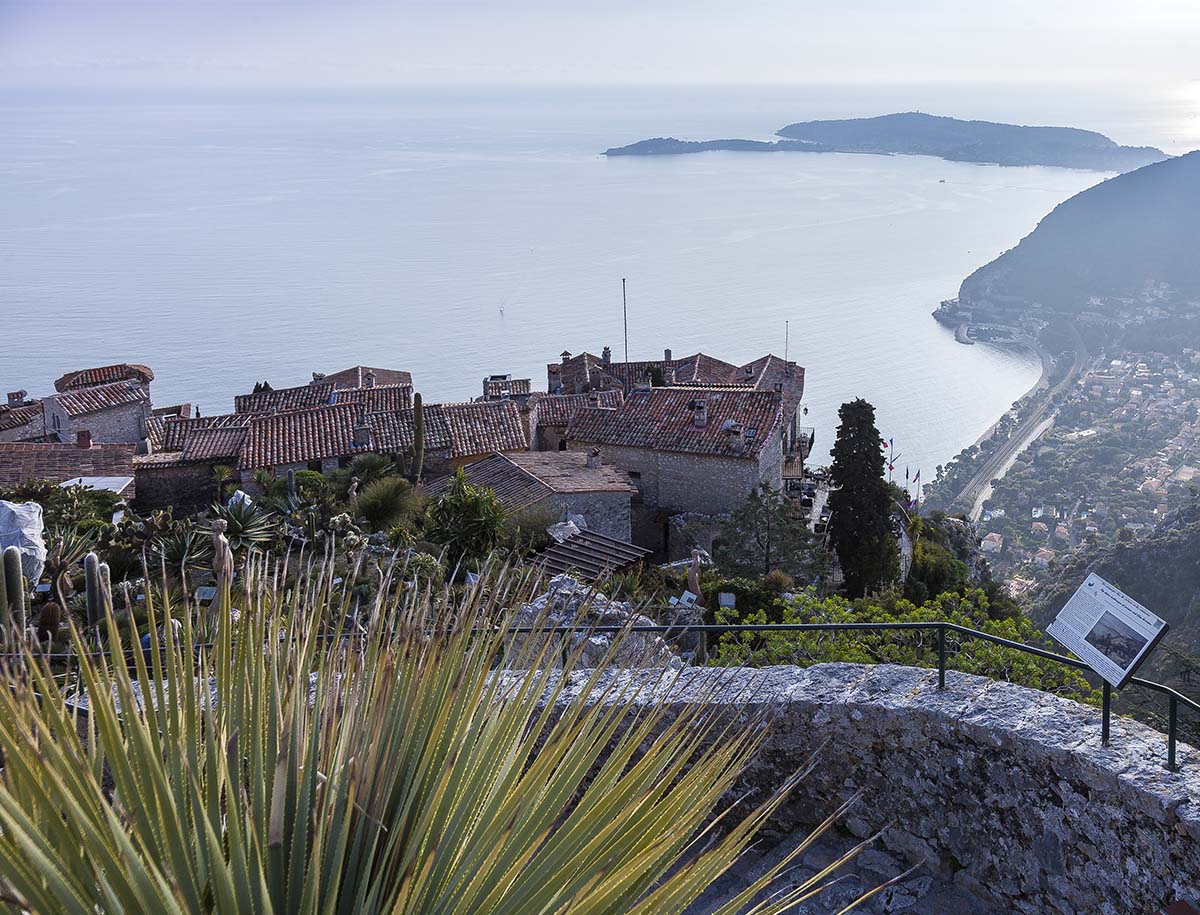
pixel 92 588
pixel 12 606
pixel 418 438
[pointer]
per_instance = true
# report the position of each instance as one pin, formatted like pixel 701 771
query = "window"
pixel 634 474
pixel 562 444
pixel 314 465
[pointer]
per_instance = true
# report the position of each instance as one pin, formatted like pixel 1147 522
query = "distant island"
pixel 917 134
pixel 669 146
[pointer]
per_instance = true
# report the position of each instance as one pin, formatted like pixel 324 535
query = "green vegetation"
pixel 971 609
pixel 769 534
pixel 468 520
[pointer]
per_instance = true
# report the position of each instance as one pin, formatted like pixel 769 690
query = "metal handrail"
pixel 1174 697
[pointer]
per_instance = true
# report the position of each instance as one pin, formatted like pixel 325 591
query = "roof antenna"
pixel 625 316
pixel 785 341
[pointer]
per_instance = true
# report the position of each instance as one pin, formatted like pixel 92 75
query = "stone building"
pixel 362 376
pixel 21 420
pixel 113 412
pixel 58 462
pixel 558 482
pixel 550 414
pixel 183 453
pixel 505 387
pixel 695 450
pixel 374 398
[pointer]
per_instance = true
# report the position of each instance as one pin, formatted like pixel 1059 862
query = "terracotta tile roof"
pixel 589 372
pixel 178 409
pixel 392 433
pixel 16 417
pixel 567 472
pixel 557 409
pixel 155 426
pixel 84 401
pixel 176 429
pixel 356 377
pixel 591 554
pixel 297 398
pixel 379 399
pixel 214 444
pixel 478 428
pixel 662 419
pixel 524 478
pixel 498 388
pixel 24 461
pixel 105 374
pixel 277 439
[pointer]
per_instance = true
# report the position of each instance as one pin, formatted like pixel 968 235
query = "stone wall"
pixel 187 487
pixel 606 513
pixel 125 424
pixel 1005 790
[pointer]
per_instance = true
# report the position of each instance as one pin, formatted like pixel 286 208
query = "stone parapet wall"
pixel 1006 790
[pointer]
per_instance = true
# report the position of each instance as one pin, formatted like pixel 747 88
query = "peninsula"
pixel 917 134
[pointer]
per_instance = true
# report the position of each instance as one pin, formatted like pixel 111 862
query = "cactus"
pixel 291 484
pixel 106 595
pixel 418 462
pixel 12 610
pixel 91 584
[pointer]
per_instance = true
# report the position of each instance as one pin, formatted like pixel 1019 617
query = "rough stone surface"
pixel 572 603
pixel 1005 793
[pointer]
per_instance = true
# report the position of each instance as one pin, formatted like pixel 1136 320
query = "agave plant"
pixel 182 552
pixel 431 766
pixel 247 524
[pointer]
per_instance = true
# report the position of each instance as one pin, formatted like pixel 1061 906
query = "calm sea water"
pixel 227 239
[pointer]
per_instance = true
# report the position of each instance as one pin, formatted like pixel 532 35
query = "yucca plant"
pixel 429 765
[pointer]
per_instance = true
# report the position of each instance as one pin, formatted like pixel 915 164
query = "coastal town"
pixel 630 451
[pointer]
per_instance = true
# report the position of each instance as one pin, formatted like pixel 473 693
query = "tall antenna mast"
pixel 625 316
pixel 785 341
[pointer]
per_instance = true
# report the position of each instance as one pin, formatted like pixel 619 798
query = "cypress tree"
pixel 860 508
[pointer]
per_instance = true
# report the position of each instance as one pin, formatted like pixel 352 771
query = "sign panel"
pixel 1107 629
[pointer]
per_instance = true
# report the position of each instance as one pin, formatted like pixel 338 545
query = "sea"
pixel 231 237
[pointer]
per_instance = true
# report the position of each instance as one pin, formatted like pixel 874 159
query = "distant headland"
pixel 917 134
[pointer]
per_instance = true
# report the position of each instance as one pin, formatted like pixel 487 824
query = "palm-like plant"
pixel 222 477
pixel 405 773
pixel 182 552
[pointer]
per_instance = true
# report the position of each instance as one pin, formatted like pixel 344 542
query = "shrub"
pixel 386 501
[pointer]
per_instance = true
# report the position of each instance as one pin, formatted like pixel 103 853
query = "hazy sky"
pixel 355 42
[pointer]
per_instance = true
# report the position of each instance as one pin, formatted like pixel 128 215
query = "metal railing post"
pixel 1172 716
pixel 941 657
pixel 1104 728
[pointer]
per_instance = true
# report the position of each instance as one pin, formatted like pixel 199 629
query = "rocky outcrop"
pixel 582 607
pixel 1006 792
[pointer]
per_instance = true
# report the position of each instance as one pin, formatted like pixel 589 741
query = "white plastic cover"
pixel 21 526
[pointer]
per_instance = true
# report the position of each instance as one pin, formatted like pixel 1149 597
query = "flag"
pixel 917 478
pixel 905 473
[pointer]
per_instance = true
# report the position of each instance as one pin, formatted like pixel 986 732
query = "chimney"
pixel 593 459
pixel 318 377
pixel 606 355
pixel 566 354
pixel 666 355
pixel 593 399
pixel 362 432
pixel 700 414
pixel 16 398
pixel 369 379
pixel 83 439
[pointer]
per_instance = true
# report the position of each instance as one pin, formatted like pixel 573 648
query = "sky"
pixel 275 43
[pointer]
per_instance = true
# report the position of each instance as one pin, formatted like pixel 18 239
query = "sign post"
pixel 1108 630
